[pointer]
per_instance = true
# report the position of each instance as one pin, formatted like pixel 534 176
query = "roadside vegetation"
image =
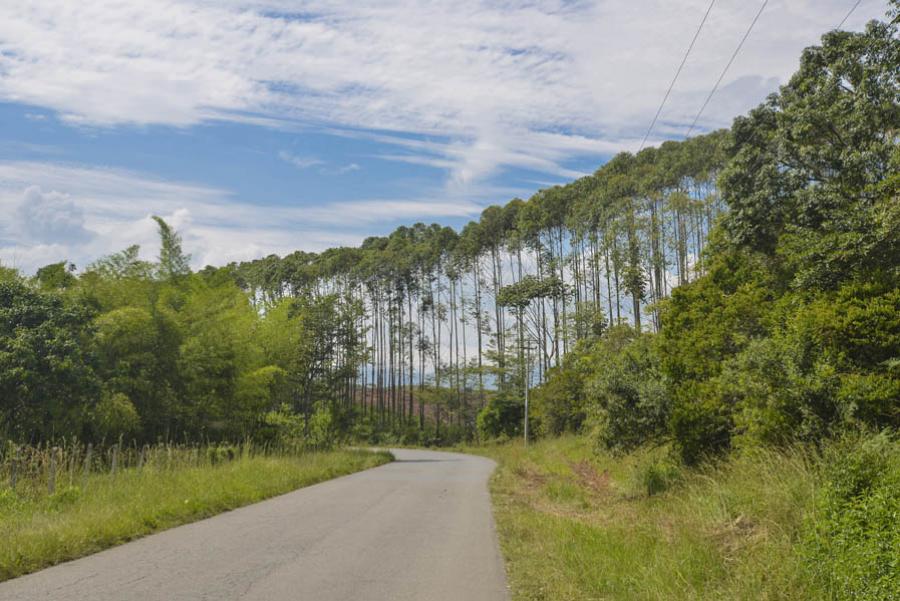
pixel 790 524
pixel 748 448
pixel 88 512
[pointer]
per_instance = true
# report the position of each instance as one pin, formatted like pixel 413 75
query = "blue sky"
pixel 260 126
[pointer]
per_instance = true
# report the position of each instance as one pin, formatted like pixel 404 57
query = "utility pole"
pixel 527 385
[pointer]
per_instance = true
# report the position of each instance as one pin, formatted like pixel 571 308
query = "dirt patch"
pixel 735 536
pixel 533 479
pixel 590 478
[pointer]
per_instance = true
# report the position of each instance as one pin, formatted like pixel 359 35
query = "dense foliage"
pixel 153 352
pixel 791 332
pixel 852 547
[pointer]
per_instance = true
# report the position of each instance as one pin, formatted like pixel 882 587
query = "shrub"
pixel 852 543
pixel 502 416
pixel 701 427
pixel 64 497
pixel 627 390
pixel 115 416
pixel 9 499
pixel 559 404
pixel 656 476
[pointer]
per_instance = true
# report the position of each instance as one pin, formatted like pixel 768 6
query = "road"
pixel 417 529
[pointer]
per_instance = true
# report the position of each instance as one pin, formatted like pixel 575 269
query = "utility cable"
pixel 727 66
pixel 855 6
pixel 677 73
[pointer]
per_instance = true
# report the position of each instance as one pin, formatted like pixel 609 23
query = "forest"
pixel 734 289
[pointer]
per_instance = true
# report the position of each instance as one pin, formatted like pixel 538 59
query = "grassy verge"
pixel 575 525
pixel 106 510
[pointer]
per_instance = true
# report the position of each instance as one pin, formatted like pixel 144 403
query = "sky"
pixel 268 126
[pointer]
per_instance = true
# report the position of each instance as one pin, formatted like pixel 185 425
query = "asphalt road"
pixel 419 528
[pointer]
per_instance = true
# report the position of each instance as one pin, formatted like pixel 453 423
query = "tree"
pixel 56 275
pixel 46 379
pixel 173 263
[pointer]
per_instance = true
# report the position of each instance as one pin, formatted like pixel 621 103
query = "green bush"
pixel 64 497
pixel 627 391
pixel 8 499
pixel 656 476
pixel 702 426
pixel 852 543
pixel 502 416
pixel 222 453
pixel 115 416
pixel 559 404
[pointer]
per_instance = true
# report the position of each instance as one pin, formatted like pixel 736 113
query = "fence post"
pixel 51 479
pixel 14 475
pixel 115 458
pixel 87 462
pixel 71 460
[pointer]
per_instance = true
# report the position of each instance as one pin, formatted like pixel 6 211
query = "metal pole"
pixel 526 410
pixel 527 382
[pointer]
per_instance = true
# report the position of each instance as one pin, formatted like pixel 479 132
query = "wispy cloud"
pixel 72 212
pixel 519 83
pixel 309 162
pixel 350 167
pixel 299 162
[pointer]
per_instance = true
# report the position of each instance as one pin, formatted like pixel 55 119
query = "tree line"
pixel 452 318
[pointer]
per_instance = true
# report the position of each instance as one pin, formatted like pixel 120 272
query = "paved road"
pixel 418 529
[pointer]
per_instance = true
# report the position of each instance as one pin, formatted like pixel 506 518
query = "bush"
pixel 627 391
pixel 292 430
pixel 701 427
pixel 852 544
pixel 502 416
pixel 321 433
pixel 222 453
pixel 115 416
pixel 656 476
pixel 9 499
pixel 64 497
pixel 559 404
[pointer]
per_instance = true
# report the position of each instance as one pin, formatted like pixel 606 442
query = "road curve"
pixel 417 529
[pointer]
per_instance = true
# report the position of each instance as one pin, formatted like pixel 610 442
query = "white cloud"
pixel 50 217
pixel 522 83
pixel 350 167
pixel 71 212
pixel 308 162
pixel 299 162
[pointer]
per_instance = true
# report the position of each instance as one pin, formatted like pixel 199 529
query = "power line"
pixel 677 73
pixel 725 70
pixel 858 2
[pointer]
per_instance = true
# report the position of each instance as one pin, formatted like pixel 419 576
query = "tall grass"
pixel 85 510
pixel 34 471
pixel 577 525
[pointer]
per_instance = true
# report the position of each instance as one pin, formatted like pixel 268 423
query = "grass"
pixel 102 510
pixel 576 525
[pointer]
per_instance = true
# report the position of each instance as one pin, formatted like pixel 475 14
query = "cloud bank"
pixel 518 83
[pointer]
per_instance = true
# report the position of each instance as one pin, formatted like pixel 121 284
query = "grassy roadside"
pixel 108 510
pixel 575 525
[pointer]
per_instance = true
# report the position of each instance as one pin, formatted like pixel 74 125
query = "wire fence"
pixel 38 470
